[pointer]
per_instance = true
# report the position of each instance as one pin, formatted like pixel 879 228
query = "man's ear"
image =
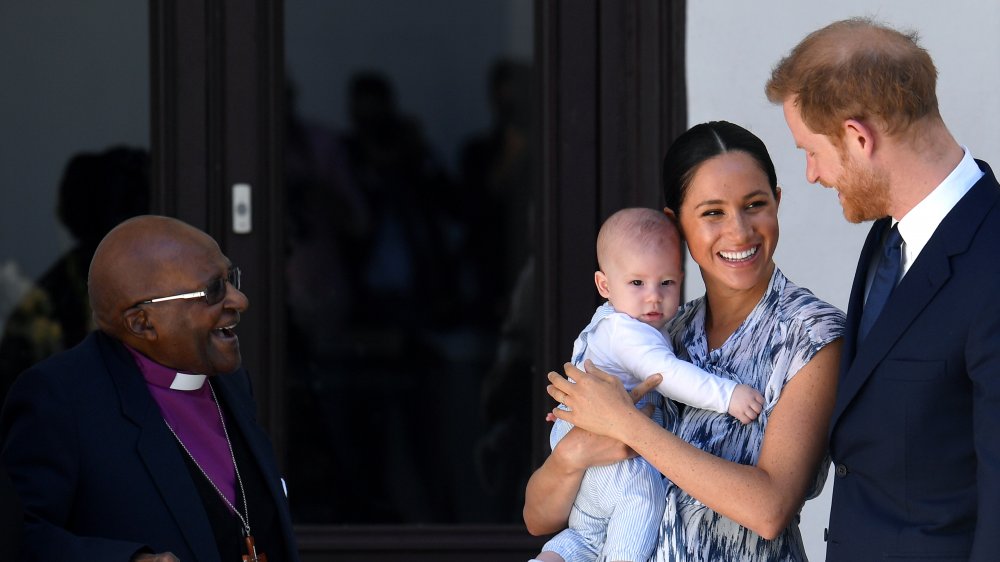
pixel 138 324
pixel 859 138
pixel 601 280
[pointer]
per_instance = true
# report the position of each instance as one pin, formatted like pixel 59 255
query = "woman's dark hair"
pixel 703 142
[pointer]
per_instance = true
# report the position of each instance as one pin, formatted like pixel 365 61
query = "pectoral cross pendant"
pixel 252 555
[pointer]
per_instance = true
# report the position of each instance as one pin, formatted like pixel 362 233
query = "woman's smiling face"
pixel 729 218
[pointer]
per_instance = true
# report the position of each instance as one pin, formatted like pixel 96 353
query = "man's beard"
pixel 864 192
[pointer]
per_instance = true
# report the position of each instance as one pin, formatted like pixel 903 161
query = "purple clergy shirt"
pixel 194 417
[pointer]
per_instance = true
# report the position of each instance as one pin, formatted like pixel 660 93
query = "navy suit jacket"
pixel 915 433
pixel 99 473
pixel 11 520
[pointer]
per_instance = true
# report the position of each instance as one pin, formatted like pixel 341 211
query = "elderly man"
pixel 141 442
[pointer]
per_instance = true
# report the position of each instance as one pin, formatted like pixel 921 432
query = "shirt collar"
pixel 165 377
pixel 917 226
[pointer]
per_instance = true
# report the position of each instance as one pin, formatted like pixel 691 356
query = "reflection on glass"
pixel 75 114
pixel 409 281
pixel 97 191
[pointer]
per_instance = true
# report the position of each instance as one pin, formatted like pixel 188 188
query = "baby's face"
pixel 644 283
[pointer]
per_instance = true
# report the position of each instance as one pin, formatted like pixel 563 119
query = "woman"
pixel 734 491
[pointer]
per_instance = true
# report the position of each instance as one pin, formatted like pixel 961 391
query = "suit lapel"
pixel 925 278
pixel 159 452
pixel 242 411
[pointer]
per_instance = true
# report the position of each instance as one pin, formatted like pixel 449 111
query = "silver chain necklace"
pixel 245 520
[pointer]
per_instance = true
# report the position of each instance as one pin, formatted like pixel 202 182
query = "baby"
pixel 617 512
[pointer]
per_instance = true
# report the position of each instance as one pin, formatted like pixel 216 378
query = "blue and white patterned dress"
pixel 782 333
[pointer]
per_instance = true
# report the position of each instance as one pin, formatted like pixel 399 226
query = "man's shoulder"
pixel 81 355
pixel 976 216
pixel 76 384
pixel 985 192
pixel 74 368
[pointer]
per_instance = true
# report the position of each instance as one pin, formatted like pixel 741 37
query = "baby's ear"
pixel 601 280
pixel 670 213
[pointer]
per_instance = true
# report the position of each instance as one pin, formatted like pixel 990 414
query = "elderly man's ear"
pixel 138 324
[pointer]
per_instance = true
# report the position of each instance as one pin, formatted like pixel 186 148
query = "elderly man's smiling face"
pixel 152 257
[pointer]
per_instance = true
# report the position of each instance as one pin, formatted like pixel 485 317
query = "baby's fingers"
pixel 645 386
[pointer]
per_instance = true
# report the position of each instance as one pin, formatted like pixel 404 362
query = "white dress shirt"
pixel 918 225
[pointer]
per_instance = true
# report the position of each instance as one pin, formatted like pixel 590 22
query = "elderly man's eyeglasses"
pixel 214 293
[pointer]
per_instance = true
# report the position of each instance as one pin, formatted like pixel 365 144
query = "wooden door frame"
pixel 216 89
pixel 613 97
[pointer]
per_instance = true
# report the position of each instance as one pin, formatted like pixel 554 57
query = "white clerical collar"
pixel 162 376
pixel 184 381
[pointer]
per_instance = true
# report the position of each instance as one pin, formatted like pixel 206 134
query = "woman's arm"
pixel 763 498
pixel 552 489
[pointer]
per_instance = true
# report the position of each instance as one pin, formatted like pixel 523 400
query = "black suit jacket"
pixel 915 433
pixel 99 473
pixel 11 519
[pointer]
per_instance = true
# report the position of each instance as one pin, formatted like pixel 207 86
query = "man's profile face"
pixel 862 189
pixel 191 335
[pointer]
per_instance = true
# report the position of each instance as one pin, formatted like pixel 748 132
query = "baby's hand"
pixel 746 403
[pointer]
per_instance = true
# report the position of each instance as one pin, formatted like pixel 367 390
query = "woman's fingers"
pixel 562 387
pixel 597 373
pixel 593 398
pixel 558 390
pixel 572 372
pixel 558 383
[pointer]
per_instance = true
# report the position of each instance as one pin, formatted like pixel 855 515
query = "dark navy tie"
pixel 886 275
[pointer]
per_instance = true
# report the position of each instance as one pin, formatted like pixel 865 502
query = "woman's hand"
pixel 550 492
pixel 581 449
pixel 598 401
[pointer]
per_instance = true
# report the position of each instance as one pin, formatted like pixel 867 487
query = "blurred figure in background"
pixel 496 182
pixel 498 187
pixel 97 191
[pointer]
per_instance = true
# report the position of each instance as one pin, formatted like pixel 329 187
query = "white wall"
pixel 732 46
